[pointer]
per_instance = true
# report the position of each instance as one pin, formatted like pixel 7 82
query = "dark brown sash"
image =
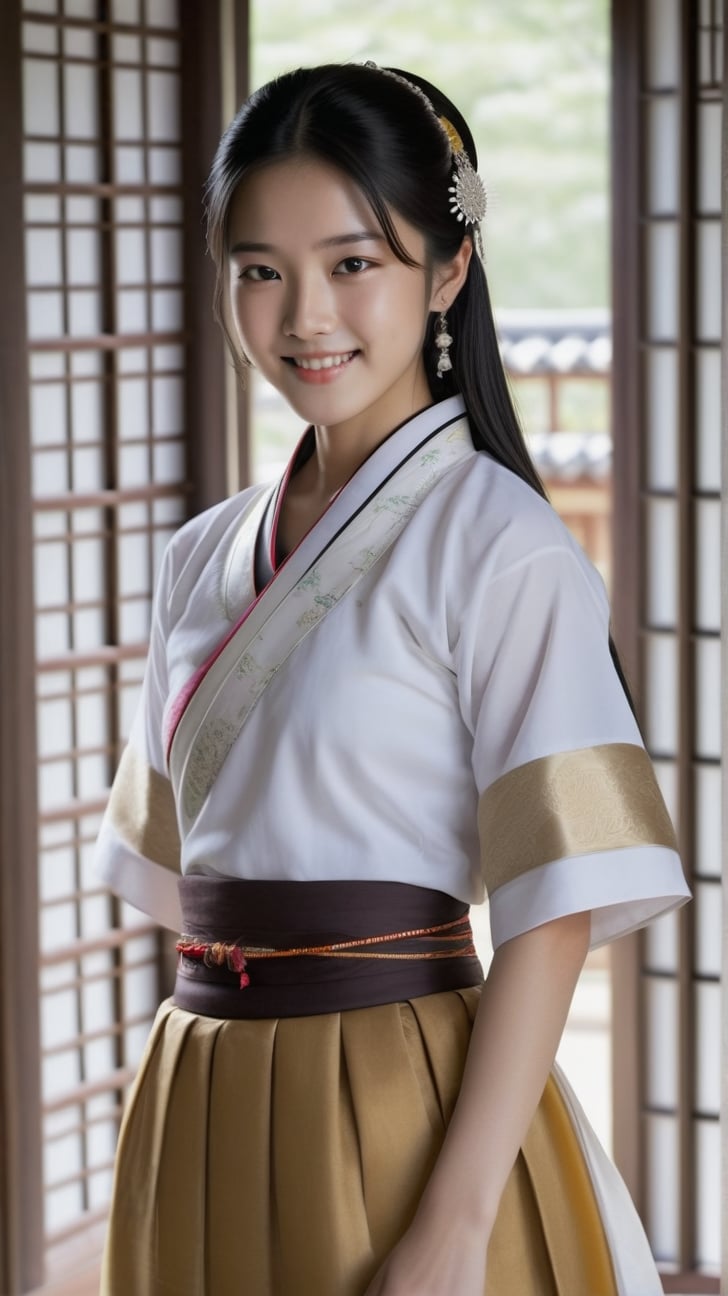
pixel 287 915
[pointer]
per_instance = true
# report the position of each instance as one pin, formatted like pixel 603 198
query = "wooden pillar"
pixel 21 1226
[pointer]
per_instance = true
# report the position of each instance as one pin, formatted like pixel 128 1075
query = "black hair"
pixel 379 131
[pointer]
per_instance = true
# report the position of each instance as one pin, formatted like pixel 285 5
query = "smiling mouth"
pixel 321 362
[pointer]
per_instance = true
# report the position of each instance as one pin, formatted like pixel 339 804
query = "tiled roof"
pixel 566 456
pixel 561 342
pixel 564 343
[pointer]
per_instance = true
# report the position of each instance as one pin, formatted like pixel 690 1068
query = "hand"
pixel 444 1260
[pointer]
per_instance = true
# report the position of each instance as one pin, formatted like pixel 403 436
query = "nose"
pixel 309 308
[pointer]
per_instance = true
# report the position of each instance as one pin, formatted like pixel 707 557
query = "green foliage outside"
pixel 532 79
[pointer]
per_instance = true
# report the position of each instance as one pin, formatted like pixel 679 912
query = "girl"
pixel 375 690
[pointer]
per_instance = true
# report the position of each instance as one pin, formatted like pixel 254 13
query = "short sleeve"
pixel 570 815
pixel 138 849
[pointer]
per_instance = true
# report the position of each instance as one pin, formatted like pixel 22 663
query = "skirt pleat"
pixel 287 1157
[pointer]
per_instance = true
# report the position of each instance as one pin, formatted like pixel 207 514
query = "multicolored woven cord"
pixel 235 957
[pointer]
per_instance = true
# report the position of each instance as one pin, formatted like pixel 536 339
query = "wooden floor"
pixel 83 1284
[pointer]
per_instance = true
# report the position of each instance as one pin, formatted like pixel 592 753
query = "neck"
pixel 343 448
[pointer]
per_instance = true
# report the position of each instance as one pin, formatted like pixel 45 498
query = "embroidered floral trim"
pixel 362 543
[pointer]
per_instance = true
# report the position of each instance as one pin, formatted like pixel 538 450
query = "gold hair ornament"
pixel 467 192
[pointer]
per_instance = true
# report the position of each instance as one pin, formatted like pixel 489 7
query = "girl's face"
pixel 321 305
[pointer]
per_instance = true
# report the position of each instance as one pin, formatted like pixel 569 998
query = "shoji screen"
pixel 669 74
pixel 105 309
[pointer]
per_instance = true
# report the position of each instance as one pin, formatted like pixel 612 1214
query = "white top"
pixel 477 645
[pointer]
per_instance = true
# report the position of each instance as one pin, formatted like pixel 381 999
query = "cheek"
pixel 398 317
pixel 251 319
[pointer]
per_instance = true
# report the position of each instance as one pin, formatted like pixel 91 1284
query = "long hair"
pixel 377 130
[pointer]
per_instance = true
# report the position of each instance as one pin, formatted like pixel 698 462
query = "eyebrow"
pixel 337 240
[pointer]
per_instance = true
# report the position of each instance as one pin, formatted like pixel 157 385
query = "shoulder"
pixel 199 540
pixel 496 527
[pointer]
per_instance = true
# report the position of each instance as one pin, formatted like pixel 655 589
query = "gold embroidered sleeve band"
pixel 142 810
pixel 574 803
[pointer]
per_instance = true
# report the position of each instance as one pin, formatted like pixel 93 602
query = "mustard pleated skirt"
pixel 286 1157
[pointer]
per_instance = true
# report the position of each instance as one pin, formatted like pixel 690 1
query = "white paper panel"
pixel 39 38
pixel 663 156
pixel 666 772
pixel 45 315
pixel 42 207
pixel 51 635
pixel 125 11
pixel 83 163
pixel 663 1180
pixel 131 257
pixel 707 1196
pixel 709 127
pixel 661 693
pixel 662 945
pixel 83 249
pixel 708 564
pixel 57 872
pixel 162 13
pixel 88 469
pixel 708 281
pixel 167 310
pixel 163 105
pixel 707 1058
pixel 80 9
pixel 129 210
pixel 132 411
pixel 168 404
pixel 708 419
pixel 55 723
pixel 166 53
pixel 41 162
pixel 662 70
pixel 662 1046
pixel 708 697
pixel 84 314
pixel 47 414
pixel 43 258
pixel 165 166
pixel 165 208
pixel 128 115
pixel 708 836
pixel 133 565
pixel 80 105
pixel 662 282
pixel 80 42
pixel 129 164
pixel 661 379
pixel 40 97
pixel 82 210
pixel 707 920
pixel 86 363
pixel 132 360
pixel 662 563
pixel 87 406
pixel 88 629
pixel 51 574
pixel 169 461
pixel 131 311
pixel 127 49
pixel 90 573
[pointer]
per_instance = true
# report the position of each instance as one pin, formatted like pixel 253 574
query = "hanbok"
pixel 336 753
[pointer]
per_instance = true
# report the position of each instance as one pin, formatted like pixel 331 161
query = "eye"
pixel 352 265
pixel 258 273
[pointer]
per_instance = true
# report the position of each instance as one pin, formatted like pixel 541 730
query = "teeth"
pixel 325 362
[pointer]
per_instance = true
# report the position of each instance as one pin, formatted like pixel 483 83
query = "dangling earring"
pixel 443 342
